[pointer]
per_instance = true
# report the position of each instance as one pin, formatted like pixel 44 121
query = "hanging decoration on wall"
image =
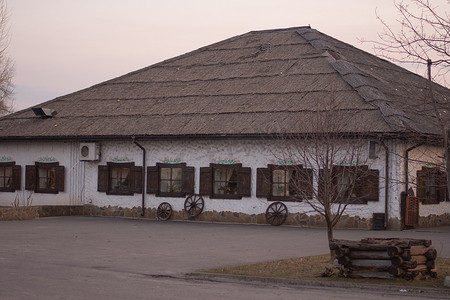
pixel 120 159
pixel 350 163
pixel 430 165
pixel 47 159
pixel 285 162
pixel 5 158
pixel 168 160
pixel 226 161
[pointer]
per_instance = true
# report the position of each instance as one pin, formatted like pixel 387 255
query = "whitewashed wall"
pixel 251 153
pixel 27 153
pixel 395 173
pixel 81 177
pixel 424 156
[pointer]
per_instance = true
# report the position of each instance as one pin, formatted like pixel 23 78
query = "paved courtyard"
pixel 114 258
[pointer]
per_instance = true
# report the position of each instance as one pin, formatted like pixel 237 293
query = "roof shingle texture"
pixel 262 82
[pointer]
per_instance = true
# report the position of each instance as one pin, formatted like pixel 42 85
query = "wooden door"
pixel 412 211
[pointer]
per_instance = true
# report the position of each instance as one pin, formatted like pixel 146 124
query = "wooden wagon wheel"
pixel 164 211
pixel 193 205
pixel 276 213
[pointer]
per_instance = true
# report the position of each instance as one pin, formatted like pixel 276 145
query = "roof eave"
pixel 83 138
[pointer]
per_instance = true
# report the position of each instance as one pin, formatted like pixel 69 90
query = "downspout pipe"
pixel 143 174
pixel 386 186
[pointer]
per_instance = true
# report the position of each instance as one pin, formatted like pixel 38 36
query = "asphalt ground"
pixel 119 258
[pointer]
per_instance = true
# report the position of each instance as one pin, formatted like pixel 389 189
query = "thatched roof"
pixel 258 83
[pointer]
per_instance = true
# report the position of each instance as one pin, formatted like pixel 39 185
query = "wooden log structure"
pixel 394 251
pixel 375 263
pixel 406 254
pixel 431 253
pixel 398 242
pixel 386 257
pixel 409 264
pixel 419 268
pixel 420 259
pixel 396 271
pixel 341 251
pixel 420 249
pixel 431 264
pixel 382 255
pixel 357 246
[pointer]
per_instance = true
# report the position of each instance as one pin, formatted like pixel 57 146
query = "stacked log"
pixel 385 258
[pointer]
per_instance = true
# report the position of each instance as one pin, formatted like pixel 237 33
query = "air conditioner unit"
pixel 89 151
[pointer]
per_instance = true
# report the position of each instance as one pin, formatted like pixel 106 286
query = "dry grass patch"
pixel 311 268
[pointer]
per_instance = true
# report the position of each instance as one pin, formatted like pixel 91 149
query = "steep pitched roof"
pixel 258 83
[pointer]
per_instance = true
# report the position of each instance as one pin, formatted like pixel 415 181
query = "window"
pixel 9 177
pixel 284 183
pixel 119 179
pixel 170 180
pixel 351 184
pixel 281 182
pixel 225 181
pixel 345 182
pixel 45 178
pixel 431 185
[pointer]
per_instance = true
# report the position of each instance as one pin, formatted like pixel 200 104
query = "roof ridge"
pixel 203 48
pixel 358 80
pixel 394 117
pixel 187 54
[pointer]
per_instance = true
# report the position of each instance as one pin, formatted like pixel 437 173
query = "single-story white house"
pixel 203 123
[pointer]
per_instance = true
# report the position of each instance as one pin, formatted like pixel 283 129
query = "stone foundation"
pixel 434 220
pixel 18 213
pixel 33 212
pixel 297 219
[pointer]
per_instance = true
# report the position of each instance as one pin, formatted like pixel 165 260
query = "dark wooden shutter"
pixel 442 187
pixel 30 177
pixel 359 176
pixel 205 181
pixel 103 178
pixel 262 182
pixel 16 177
pixel 305 177
pixel 244 181
pixel 136 179
pixel 60 178
pixel 421 185
pixel 152 180
pixel 188 180
pixel 371 190
pixel 432 198
pixel 336 174
pixel 322 185
pixel 426 174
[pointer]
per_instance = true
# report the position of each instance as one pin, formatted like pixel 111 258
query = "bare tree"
pixel 327 162
pixel 6 64
pixel 423 38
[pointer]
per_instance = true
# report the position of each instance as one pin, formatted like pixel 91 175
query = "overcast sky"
pixel 61 46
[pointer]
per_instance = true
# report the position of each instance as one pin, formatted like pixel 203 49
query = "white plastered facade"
pixel 423 156
pixel 81 176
